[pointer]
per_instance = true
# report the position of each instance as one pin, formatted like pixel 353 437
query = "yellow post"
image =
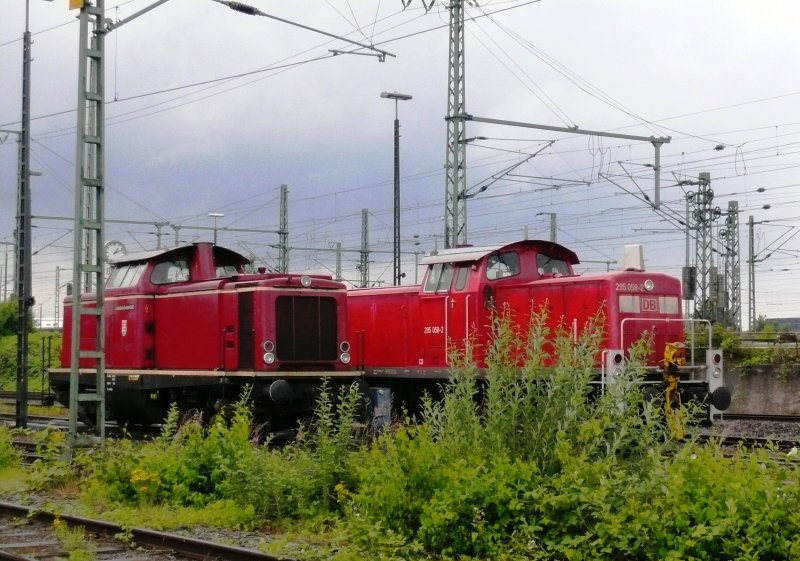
pixel 672 397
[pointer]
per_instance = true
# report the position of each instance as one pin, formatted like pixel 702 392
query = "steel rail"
pixel 189 547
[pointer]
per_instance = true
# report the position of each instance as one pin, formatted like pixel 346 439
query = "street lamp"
pixel 215 215
pixel 396 97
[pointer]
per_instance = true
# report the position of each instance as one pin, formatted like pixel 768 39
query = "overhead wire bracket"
pixel 252 11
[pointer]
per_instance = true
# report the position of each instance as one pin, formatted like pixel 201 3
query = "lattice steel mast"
pixel 88 262
pixel 733 269
pixel 704 214
pixel 455 212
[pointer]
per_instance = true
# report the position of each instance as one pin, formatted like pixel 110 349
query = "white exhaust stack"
pixel 633 258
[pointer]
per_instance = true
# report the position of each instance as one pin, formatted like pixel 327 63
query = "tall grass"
pixel 520 461
pixel 477 473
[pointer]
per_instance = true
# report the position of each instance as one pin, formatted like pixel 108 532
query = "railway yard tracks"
pixel 774 432
pixel 781 432
pixel 34 398
pixel 27 534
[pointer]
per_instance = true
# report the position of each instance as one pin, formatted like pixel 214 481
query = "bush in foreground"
pixel 532 467
pixel 539 469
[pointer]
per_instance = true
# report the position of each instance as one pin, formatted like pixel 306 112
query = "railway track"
pixel 28 450
pixel 761 417
pixel 51 420
pixel 28 534
pixel 779 444
pixel 34 398
pixel 42 422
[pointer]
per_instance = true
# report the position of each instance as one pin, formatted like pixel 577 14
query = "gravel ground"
pixel 778 430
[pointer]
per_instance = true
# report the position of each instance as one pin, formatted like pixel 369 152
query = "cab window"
pixel 461 278
pixel 226 271
pixel 126 275
pixel 439 277
pixel 547 265
pixel 166 272
pixel 502 265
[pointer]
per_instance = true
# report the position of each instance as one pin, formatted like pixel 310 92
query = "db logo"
pixel 649 304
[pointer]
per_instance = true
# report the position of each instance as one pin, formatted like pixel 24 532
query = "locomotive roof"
pixel 148 255
pixel 474 253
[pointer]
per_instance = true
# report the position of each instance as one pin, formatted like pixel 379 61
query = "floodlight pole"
pixel 396 253
pixel 23 238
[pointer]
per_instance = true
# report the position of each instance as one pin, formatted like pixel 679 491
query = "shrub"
pixel 9 457
pixel 310 477
pixel 188 465
pixel 397 477
pixel 533 461
pixel 532 467
pixel 37 378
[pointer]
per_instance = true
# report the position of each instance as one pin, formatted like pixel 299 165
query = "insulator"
pixel 244 8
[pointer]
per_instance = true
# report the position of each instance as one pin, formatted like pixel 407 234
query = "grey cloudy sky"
pixel 182 142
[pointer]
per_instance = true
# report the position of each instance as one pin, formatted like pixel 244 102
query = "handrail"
pixel 665 320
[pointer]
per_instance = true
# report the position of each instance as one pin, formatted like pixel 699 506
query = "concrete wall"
pixel 767 389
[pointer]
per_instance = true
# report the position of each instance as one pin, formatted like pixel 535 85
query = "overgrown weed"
pixel 9 457
pixel 522 461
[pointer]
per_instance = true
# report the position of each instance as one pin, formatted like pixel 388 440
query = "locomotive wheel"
pixel 87 414
pixel 133 408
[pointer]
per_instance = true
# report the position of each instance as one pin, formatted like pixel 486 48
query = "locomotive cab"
pixel 189 325
pixel 418 327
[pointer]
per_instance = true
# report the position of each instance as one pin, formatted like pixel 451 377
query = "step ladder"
pixel 88 258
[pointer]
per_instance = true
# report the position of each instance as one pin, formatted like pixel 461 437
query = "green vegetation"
pixel 769 352
pixel 37 341
pixel 8 317
pixel 9 457
pixel 533 467
pixel 74 541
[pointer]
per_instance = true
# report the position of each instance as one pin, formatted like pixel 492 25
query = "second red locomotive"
pixel 404 334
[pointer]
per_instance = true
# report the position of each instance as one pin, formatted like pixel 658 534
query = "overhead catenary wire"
pixel 581 198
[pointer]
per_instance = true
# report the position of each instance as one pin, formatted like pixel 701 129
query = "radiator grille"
pixel 306 328
pixel 246 330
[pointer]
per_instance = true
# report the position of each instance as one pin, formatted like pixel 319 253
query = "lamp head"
pixel 396 96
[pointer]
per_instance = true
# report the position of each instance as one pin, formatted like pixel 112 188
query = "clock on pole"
pixel 114 250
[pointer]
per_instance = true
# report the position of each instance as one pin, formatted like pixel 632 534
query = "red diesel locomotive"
pixel 187 325
pixel 402 335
